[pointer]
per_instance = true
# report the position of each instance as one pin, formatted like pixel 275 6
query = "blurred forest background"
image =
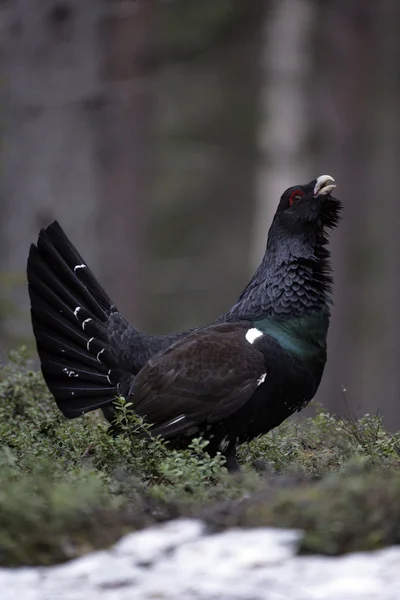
pixel 161 133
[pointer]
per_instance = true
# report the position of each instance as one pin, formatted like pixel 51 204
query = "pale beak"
pixel 325 184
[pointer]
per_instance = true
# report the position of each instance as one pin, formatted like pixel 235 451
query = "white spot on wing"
pixel 252 334
pixel 88 344
pixel 79 267
pixel 84 323
pixel 78 308
pixel 99 354
pixel 261 379
pixel 108 374
pixel 176 420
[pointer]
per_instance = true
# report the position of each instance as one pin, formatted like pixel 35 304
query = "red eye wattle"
pixel 295 196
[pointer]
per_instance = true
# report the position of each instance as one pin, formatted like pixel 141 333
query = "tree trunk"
pixel 124 134
pixel 206 150
pixel 382 288
pixel 284 131
pixel 357 118
pixel 50 67
pixel 76 112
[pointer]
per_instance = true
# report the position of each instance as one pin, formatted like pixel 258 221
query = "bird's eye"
pixel 295 197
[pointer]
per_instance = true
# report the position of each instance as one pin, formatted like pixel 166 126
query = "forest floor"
pixel 68 488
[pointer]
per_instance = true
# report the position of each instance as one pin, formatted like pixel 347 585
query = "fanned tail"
pixel 71 316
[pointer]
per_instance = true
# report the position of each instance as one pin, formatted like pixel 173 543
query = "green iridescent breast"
pixel 304 336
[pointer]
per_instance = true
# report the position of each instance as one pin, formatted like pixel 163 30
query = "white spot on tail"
pixel 78 308
pixel 253 334
pixel 84 323
pixel 98 356
pixel 88 344
pixel 70 373
pixel 79 267
pixel 261 379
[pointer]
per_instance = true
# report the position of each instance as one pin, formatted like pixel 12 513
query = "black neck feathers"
pixel 295 276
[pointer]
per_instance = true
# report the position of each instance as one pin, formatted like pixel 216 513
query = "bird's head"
pixel 304 214
pixel 295 274
pixel 309 207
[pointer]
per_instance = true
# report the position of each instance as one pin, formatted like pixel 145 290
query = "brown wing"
pixel 203 378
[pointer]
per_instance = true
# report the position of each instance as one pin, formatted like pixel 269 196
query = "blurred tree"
pixel 381 258
pixel 285 130
pixel 204 180
pixel 49 66
pixel 76 109
pixel 342 59
pixel 355 110
pixel 123 130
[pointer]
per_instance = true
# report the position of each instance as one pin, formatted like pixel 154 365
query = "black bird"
pixel 231 381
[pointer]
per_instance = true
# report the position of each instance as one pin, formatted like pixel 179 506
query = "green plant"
pixel 68 487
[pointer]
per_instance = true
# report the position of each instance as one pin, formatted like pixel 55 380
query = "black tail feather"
pixel 71 321
pixel 64 280
pixel 54 240
pixel 60 347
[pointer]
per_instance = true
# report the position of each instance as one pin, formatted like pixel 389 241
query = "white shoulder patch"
pixel 252 334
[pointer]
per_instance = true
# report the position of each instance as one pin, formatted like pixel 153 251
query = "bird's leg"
pixel 231 461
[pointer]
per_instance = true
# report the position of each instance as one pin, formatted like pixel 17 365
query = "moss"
pixel 343 512
pixel 68 487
